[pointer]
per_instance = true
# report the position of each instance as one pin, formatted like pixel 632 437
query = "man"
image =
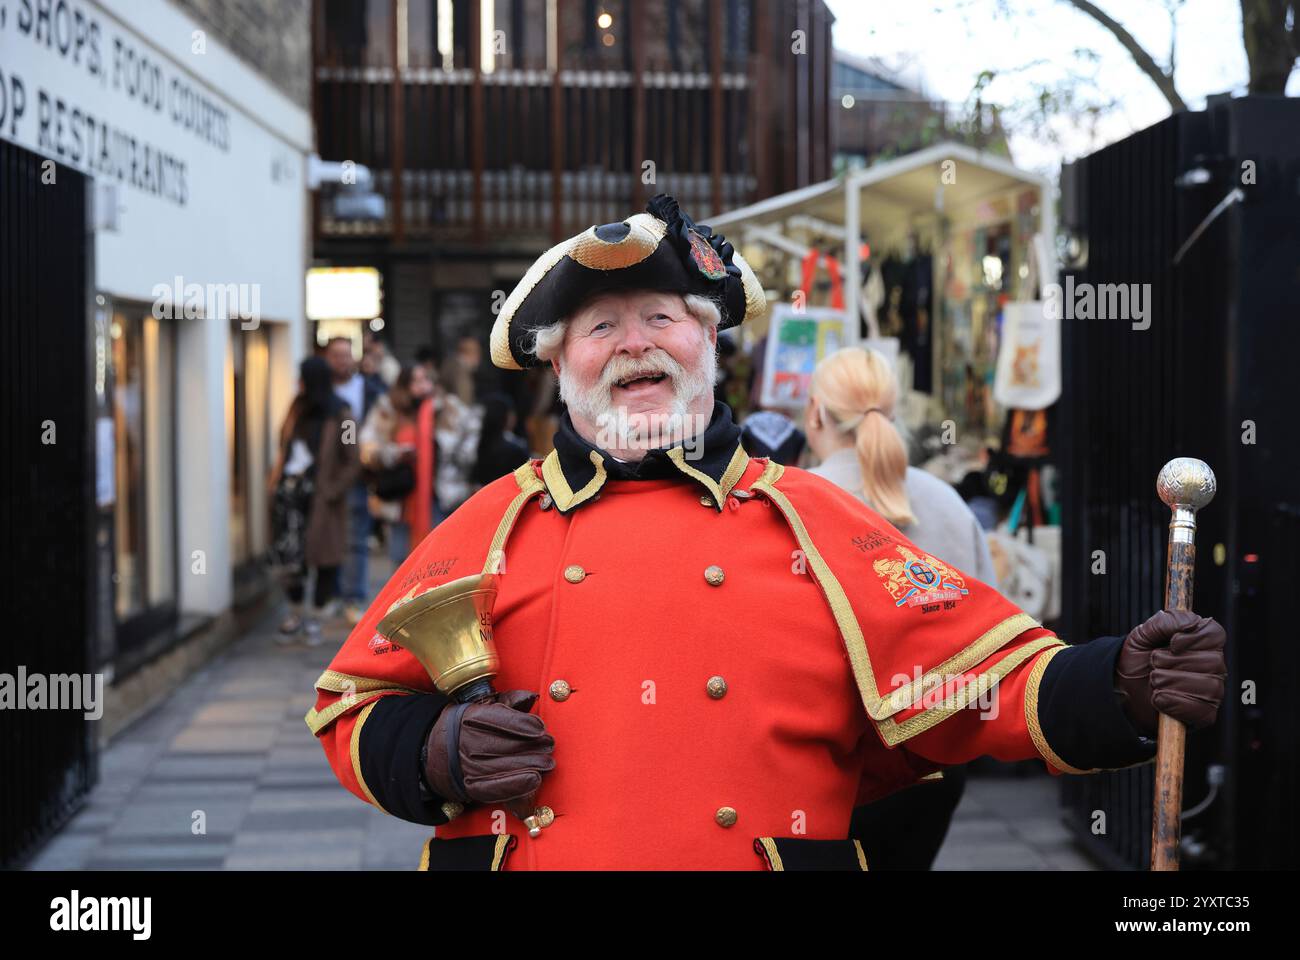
pixel 460 373
pixel 359 393
pixel 732 653
pixel 378 366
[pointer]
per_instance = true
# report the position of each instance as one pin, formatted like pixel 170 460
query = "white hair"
pixel 546 342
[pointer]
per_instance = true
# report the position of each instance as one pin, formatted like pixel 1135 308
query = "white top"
pixel 300 458
pixel 944 525
pixel 353 393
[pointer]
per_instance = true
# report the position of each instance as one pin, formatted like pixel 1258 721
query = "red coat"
pixel 823 611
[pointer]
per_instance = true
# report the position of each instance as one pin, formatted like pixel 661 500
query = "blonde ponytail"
pixel 859 390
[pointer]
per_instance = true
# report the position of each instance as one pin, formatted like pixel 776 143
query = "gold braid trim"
pixel 318 720
pixel 645 233
pixel 499 855
pixel 424 855
pixel 356 755
pixel 730 477
pixel 1036 729
pixel 559 488
pixel 755 297
pixel 334 682
pixel 895 732
pixel 529 485
pixel 987 643
pixel 1031 714
pixel 862 856
pixel 773 855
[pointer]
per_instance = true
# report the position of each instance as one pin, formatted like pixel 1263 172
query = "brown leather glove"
pixel 489 751
pixel 1172 664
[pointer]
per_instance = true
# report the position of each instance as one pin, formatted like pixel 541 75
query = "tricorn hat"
pixel 661 249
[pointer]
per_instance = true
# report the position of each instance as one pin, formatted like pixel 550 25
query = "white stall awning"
pixel 886 201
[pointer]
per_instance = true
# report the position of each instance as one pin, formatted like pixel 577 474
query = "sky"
pixel 940 46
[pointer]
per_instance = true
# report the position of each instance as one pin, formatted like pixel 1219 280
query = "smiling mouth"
pixel 633 383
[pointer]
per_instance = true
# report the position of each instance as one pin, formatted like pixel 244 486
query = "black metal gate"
pixel 1209 378
pixel 48 756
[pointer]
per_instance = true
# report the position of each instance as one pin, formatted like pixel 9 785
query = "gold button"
pixel 451 809
pixel 560 691
pixel 717 687
pixel 546 501
pixel 714 575
pixel 706 501
pixel 574 573
pixel 545 816
pixel 726 816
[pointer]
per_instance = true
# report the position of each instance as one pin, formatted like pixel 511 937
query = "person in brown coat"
pixel 318 463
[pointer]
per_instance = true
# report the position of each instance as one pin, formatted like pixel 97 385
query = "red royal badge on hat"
pixel 706 258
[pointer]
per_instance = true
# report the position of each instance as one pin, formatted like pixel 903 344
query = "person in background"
pixel 543 416
pixel 397 447
pixel 359 394
pixel 313 473
pixel 457 430
pixel 378 365
pixel 460 371
pixel 427 357
pixel 373 362
pixel 849 420
pixel 500 450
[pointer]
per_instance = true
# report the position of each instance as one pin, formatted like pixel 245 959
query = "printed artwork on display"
pixel 797 340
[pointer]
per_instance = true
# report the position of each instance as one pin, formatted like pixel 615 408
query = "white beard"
pixel 643 431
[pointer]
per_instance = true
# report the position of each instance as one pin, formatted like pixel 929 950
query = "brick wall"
pixel 271 36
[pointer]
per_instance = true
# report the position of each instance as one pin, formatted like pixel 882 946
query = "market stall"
pixel 939 241
pixel 939 259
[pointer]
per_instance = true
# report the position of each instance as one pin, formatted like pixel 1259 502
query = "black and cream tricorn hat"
pixel 661 249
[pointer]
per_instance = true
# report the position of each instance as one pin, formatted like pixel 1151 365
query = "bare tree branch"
pixel 1171 7
pixel 1163 81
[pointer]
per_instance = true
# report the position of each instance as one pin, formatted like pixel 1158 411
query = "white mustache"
pixel 625 368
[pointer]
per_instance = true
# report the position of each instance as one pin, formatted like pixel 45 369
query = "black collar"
pixel 576 469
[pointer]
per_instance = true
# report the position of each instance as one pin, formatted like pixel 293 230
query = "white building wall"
pixel 116 84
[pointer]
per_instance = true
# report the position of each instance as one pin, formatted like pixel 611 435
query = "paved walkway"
pixel 229 752
pixel 230 747
pixel 1007 823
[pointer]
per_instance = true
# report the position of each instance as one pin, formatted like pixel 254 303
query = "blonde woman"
pixel 850 424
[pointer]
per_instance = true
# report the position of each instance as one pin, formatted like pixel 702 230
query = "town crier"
pixel 706 659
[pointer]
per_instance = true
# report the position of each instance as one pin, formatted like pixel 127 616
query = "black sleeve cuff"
pixel 1080 713
pixel 390 745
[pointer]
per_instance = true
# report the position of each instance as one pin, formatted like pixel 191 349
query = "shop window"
pixel 248 435
pixel 143 404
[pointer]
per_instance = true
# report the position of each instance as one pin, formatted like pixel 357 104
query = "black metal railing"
pixel 48 756
pixel 1203 208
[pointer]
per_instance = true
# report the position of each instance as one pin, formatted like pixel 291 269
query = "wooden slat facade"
pixel 553 138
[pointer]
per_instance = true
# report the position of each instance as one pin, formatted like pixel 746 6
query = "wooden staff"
pixel 1185 485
